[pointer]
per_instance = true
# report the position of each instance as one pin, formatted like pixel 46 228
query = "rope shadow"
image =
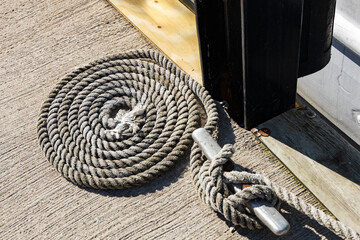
pixel 226 133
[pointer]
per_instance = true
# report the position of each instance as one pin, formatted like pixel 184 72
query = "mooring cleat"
pixel 267 214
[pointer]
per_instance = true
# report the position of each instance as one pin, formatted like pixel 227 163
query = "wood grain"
pixel 170 26
pixel 320 158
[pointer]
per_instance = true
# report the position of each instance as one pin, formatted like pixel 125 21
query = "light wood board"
pixel 170 26
pixel 320 158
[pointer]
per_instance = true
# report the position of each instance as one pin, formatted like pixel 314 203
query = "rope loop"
pixel 257 188
pixel 223 181
pixel 216 168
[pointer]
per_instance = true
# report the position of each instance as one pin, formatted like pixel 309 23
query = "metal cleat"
pixel 267 214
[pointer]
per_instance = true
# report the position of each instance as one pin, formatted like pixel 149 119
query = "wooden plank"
pixel 170 26
pixel 320 158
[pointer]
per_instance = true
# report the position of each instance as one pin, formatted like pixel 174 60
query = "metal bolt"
pixel 310 114
pixel 265 132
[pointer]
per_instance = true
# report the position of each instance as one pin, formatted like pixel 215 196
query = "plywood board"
pixel 170 26
pixel 320 158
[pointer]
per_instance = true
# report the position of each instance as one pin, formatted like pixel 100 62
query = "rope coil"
pixel 77 123
pixel 76 143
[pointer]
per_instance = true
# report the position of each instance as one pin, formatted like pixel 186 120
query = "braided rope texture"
pixel 77 119
pixel 74 120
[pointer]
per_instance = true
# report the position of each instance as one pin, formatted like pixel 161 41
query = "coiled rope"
pixel 77 123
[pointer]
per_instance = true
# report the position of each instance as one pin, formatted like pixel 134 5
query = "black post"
pixel 219 33
pixel 250 55
pixel 253 51
pixel 271 44
pixel 316 36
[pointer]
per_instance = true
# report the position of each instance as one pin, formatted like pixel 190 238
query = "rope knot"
pixel 216 168
pixel 219 182
pixel 127 123
pixel 253 187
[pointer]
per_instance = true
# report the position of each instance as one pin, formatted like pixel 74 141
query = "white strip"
pixel 347 32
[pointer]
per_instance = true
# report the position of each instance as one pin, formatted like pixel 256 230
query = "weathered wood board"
pixel 170 26
pixel 320 158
